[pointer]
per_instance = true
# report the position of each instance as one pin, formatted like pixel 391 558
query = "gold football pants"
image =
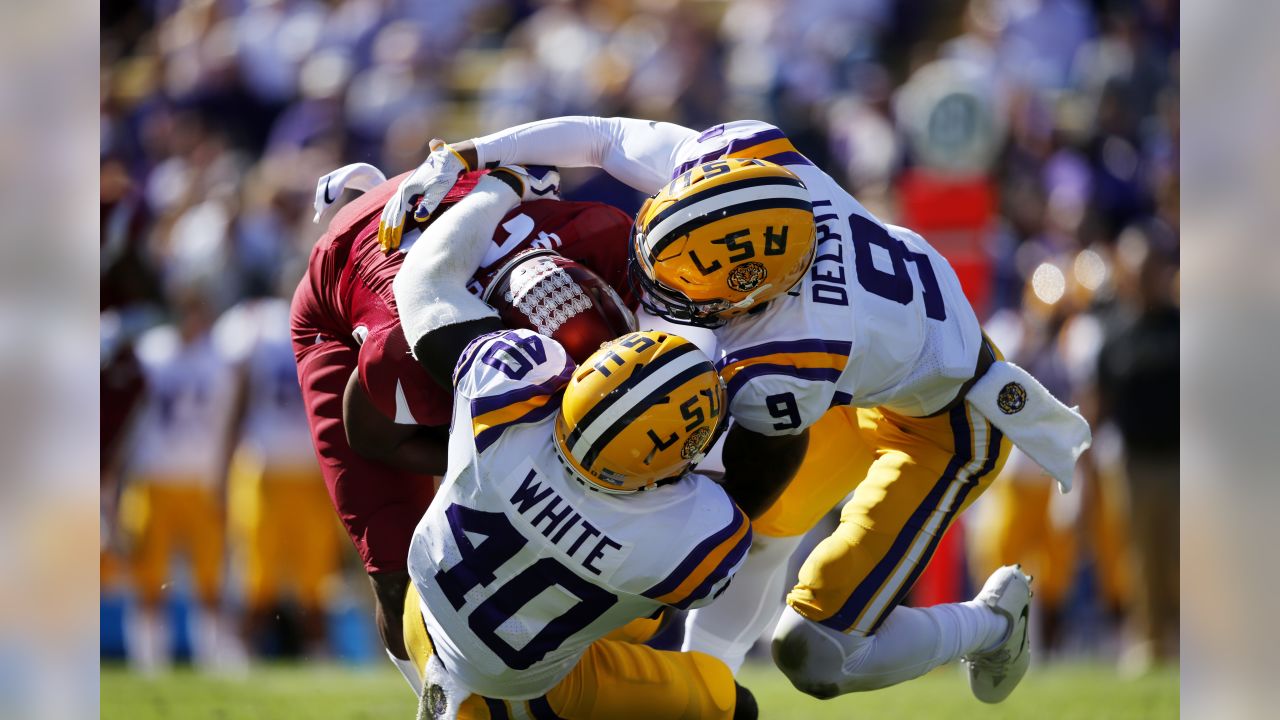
pixel 910 479
pixel 613 680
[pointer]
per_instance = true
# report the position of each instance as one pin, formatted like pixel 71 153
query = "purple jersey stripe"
pixel 788 158
pixel 737 145
pixel 754 371
pixel 695 556
pixel 482 405
pixel 832 347
pixel 721 571
pixel 490 435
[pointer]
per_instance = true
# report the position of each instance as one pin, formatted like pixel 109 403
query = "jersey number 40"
pixel 479 567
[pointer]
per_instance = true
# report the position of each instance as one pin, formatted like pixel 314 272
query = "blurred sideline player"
pixel 817 305
pixel 378 421
pixel 1020 517
pixel 174 491
pixel 279 517
pixel 566 512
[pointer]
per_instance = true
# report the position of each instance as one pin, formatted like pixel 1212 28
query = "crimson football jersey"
pixel 351 279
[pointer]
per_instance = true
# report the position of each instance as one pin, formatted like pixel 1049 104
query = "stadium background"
pixel 1034 142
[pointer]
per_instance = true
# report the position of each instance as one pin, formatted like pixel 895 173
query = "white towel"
pixel 357 176
pixel 1053 434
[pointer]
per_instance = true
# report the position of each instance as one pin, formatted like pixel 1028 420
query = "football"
pixel 543 291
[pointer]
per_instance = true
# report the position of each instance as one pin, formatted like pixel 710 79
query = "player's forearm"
pixel 757 468
pixel 430 289
pixel 639 153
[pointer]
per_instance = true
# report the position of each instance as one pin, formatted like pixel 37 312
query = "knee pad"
pixel 810 659
pixel 819 661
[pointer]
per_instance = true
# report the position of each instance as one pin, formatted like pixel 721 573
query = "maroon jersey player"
pixel 378 421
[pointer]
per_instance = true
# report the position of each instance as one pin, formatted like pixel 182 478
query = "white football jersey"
pixel 181 431
pixel 254 336
pixel 519 565
pixel 879 319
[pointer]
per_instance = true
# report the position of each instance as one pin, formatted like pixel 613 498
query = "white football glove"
pixel 432 181
pixel 536 182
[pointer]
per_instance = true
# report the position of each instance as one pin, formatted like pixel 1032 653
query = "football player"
pixel 275 492
pixel 175 465
pixel 566 512
pixel 838 333
pixel 378 421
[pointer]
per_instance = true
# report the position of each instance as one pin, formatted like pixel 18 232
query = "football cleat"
pixel 994 673
pixel 721 239
pixel 641 410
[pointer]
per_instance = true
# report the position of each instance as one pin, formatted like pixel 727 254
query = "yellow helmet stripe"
pixel 775 195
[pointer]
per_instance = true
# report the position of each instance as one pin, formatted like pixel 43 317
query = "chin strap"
pixel 750 299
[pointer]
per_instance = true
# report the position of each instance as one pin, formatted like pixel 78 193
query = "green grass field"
pixel 1087 692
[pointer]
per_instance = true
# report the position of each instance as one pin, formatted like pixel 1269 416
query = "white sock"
pixel 146 635
pixel 909 643
pixel 408 670
pixel 205 638
pixel 727 628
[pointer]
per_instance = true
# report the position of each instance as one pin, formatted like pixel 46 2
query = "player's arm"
pixel 439 316
pixel 437 313
pixel 758 467
pixel 770 433
pixel 416 448
pixel 640 153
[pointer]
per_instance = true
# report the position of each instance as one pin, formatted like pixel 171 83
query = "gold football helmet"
pixel 720 239
pixel 642 409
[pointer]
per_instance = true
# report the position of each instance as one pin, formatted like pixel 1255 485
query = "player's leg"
pixel 612 681
pixel 836 461
pixel 379 506
pixel 255 541
pixel 845 630
pixel 149 537
pixel 627 681
pixel 214 643
pixel 312 571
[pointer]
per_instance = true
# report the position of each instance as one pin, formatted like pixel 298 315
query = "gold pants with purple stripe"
pixel 615 679
pixel 910 478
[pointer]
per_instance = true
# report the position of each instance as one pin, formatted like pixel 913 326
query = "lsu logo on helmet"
pixel 721 238
pixel 641 409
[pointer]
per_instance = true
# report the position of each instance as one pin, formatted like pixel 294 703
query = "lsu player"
pixel 566 512
pixel 276 494
pixel 174 468
pixel 836 334
pixel 378 421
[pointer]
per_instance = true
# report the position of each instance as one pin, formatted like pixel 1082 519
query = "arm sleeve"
pixel 640 153
pixel 431 287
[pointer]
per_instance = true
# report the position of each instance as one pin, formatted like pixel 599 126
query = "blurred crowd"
pixel 1034 142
